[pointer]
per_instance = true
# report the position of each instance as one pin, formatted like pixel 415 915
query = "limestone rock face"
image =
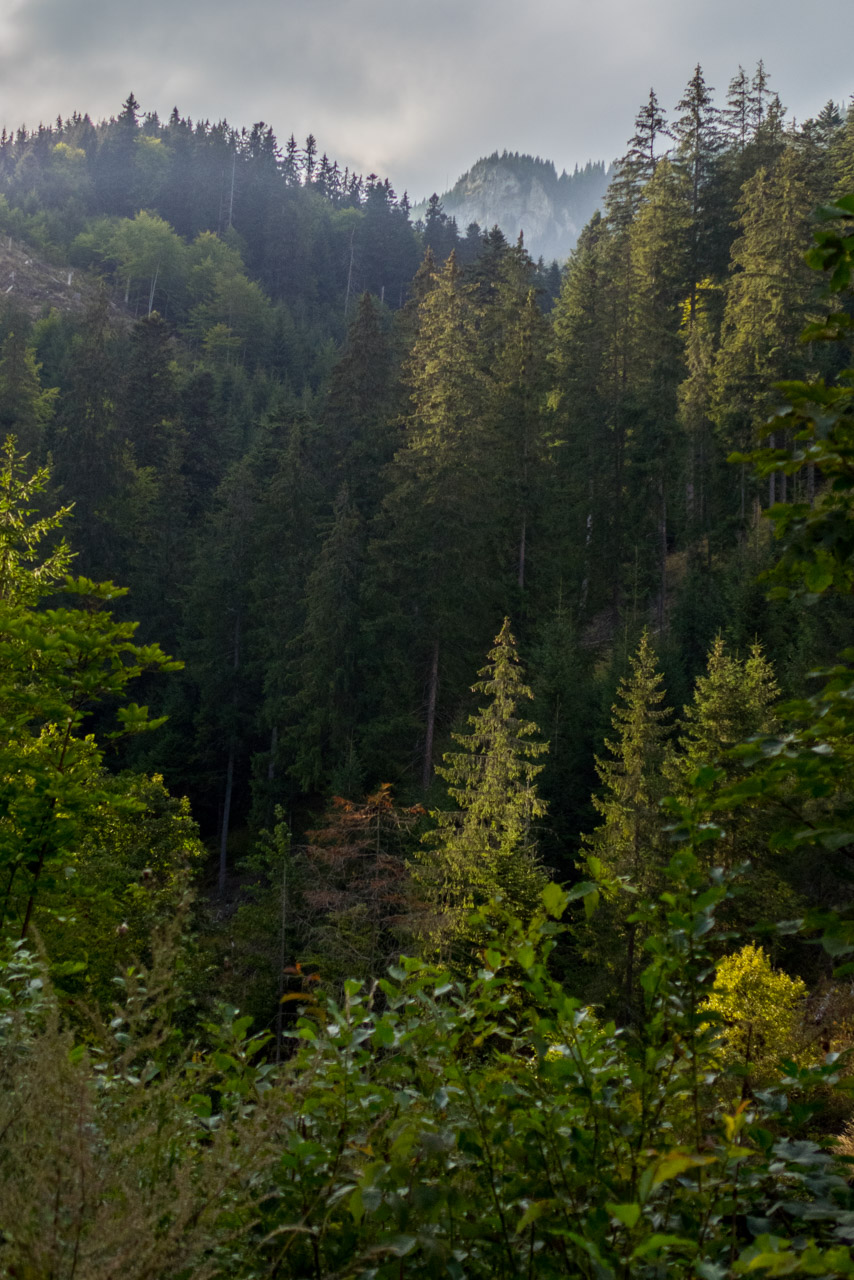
pixel 523 193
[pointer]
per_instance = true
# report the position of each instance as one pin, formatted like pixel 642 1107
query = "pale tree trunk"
pixel 522 555
pixel 662 603
pixel 229 773
pixel 431 718
pixel 226 815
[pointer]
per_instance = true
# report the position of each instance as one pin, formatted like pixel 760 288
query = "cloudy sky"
pixel 414 89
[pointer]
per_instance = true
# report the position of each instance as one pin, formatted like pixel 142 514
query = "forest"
pixel 426 819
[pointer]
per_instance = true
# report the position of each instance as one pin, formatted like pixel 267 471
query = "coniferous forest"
pixel 426 819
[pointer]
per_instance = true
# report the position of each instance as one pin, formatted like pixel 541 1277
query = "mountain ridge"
pixel 525 194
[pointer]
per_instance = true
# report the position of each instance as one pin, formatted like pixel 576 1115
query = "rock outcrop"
pixel 525 193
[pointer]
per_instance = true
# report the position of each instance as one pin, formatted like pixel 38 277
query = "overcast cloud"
pixel 414 89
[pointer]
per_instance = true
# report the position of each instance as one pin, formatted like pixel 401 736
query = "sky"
pixel 415 90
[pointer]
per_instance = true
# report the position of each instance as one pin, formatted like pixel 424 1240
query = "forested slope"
pixel 329 531
pixel 332 459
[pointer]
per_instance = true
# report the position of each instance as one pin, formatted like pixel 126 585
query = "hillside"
pixel 524 193
pixel 33 286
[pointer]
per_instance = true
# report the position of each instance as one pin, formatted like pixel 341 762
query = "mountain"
pixel 524 193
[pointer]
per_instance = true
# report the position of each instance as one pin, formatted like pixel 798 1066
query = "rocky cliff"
pixel 525 193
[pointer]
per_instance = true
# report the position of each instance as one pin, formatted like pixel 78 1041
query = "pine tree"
pixel 322 717
pixel 732 701
pixel 638 165
pixel 25 408
pixel 737 111
pixel 659 248
pixel 520 371
pixel 433 582
pixel 699 141
pixel 92 466
pixel 486 847
pixel 584 498
pixel 358 415
pixel 703 456
pixel 220 657
pixel 630 842
pixel 770 295
pixel 148 394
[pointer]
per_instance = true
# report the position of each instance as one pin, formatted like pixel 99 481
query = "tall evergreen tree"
pixel 487 846
pixel 770 295
pixel 358 429
pixel 630 842
pixel 660 248
pixel 433 582
pixel 583 499
pixel 699 140
pixel 321 736
pixel 25 406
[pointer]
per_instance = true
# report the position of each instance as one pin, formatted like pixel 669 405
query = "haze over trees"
pixel 337 460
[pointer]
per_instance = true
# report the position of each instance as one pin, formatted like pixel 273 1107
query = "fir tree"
pixel 699 141
pixel 25 408
pixel 322 719
pixel 733 701
pixel 486 848
pixel 433 583
pixel 630 843
pixel 769 297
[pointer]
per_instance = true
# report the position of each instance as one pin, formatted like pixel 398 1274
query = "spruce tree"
pixel 433 584
pixel 630 842
pixel 732 702
pixel 358 416
pixel 638 165
pixel 322 715
pixel 770 295
pixel 699 140
pixel 659 247
pixel 25 408
pixel 583 505
pixel 486 848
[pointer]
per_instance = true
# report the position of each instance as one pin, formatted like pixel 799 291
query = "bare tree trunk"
pixel 152 289
pixel 585 581
pixel 231 196
pixel 349 276
pixel 280 1015
pixel 431 718
pixel 271 763
pixel 662 602
pixel 226 815
pixel 229 772
pixel 522 555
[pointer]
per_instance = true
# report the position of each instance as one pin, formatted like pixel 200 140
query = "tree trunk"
pixel 522 555
pixel 229 772
pixel 226 814
pixel 662 603
pixel 431 718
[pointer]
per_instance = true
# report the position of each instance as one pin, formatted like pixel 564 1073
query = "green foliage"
pixel 26 571
pixel 136 855
pixel 487 847
pixel 628 849
pixel 482 1128
pixel 761 1011
pixel 56 666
